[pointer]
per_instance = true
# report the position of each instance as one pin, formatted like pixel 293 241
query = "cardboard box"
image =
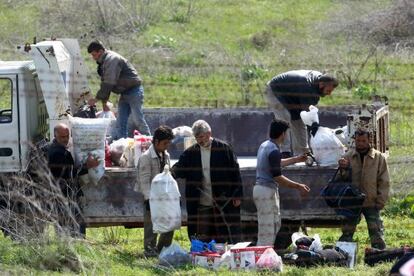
pixel 206 259
pixel 247 257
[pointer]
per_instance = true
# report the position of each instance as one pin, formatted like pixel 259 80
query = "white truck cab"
pixel 35 95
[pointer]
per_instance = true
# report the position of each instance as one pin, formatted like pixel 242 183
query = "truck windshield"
pixel 5 100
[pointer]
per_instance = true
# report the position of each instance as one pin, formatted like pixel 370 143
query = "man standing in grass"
pixel 290 93
pixel 368 170
pixel 268 178
pixel 213 187
pixel 150 164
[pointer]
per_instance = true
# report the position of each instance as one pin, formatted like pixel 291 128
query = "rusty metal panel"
pixel 113 199
pixel 114 202
pixel 293 206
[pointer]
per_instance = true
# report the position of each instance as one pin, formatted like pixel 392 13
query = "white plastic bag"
pixel 270 260
pixel 89 138
pixel 342 134
pixel 117 149
pixel 106 114
pixel 184 131
pixel 311 116
pixel 165 203
pixel 316 244
pixel 128 156
pixel 326 147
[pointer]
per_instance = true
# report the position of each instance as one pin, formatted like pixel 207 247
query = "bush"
pixel 401 207
pixel 364 91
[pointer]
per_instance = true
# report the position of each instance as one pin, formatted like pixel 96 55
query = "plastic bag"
pixel 270 260
pixel 226 260
pixel 165 203
pixel 117 148
pixel 128 156
pixel 342 134
pixel 315 243
pixel 174 256
pixel 326 147
pixel 311 116
pixel 185 131
pixel 89 136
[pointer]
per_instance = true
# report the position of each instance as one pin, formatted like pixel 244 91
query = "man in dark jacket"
pixel 62 167
pixel 290 93
pixel 213 187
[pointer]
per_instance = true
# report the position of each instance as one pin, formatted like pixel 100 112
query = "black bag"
pixel 344 197
pixel 86 111
pixel 309 258
pixel 395 269
pixel 374 256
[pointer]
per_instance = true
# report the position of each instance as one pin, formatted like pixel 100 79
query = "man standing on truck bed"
pixel 213 187
pixel 151 163
pixel 368 170
pixel 268 178
pixel 290 93
pixel 62 167
pixel 119 76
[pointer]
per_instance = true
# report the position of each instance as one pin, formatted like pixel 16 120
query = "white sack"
pixel 311 116
pixel 326 147
pixel 88 137
pixel 165 203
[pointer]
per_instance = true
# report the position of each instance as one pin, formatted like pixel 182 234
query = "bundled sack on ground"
pixel 309 252
pixel 89 136
pixel 165 203
pixel 326 147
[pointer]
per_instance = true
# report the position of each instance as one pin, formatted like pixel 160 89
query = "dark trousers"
pixel 375 227
pixel 151 247
pixel 70 219
pixel 219 224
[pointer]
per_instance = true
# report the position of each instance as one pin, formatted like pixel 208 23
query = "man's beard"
pixel 363 150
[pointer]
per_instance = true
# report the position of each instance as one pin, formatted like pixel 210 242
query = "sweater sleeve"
pixel 144 176
pixel 383 183
pixel 236 181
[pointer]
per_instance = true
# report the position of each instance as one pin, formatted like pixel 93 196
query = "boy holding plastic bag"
pixel 151 163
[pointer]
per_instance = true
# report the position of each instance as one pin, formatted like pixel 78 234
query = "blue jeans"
pixel 130 103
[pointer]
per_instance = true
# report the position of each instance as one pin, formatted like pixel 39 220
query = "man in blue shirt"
pixel 268 178
pixel 290 93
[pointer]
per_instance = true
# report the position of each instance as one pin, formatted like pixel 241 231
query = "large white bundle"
pixel 89 138
pixel 326 147
pixel 165 203
pixel 311 116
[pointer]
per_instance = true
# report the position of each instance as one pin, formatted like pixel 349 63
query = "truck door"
pixel 9 124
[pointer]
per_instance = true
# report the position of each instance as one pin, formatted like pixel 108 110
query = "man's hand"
pixel 301 158
pixel 92 162
pixel 303 189
pixel 106 106
pixel 343 163
pixel 236 202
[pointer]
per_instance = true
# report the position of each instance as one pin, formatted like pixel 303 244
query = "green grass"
pixel 119 251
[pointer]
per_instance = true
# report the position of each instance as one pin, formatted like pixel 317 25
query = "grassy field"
pixel 119 251
pixel 213 53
